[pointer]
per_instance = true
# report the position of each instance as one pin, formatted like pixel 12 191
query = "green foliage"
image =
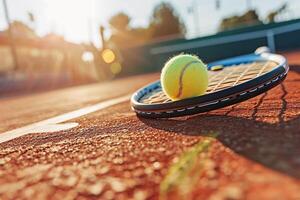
pixel 246 19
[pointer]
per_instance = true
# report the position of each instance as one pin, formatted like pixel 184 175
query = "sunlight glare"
pixel 87 56
pixel 70 18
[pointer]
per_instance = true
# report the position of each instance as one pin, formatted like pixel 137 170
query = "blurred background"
pixel 48 44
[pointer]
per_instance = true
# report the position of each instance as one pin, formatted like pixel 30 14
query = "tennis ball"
pixel 184 76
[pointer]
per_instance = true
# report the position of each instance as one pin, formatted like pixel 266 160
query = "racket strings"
pixel 220 80
pixel 263 69
pixel 243 73
pixel 225 79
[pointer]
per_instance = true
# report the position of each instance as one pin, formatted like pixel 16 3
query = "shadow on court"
pixel 276 146
pixel 295 68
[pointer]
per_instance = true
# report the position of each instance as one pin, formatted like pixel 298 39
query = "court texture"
pixel 85 142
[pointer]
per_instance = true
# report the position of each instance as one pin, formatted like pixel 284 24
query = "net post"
pixel 271 41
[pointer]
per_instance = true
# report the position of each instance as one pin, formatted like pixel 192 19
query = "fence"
pixel 277 36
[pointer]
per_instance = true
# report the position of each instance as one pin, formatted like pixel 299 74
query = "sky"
pixel 79 20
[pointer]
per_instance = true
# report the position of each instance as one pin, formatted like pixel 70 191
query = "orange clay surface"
pixel 113 154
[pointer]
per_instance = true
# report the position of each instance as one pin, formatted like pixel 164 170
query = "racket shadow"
pixel 276 146
pixel 295 68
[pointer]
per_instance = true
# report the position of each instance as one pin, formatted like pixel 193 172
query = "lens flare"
pixel 116 68
pixel 108 56
pixel 87 56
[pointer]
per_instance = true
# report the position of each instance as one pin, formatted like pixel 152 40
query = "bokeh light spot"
pixel 115 68
pixel 87 56
pixel 108 56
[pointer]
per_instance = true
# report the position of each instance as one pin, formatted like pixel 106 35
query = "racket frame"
pixel 216 99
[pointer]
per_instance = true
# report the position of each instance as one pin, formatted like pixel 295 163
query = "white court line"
pixel 54 121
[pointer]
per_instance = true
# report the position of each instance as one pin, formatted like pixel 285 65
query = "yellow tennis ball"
pixel 184 76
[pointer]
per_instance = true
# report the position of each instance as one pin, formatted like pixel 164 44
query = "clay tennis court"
pixel 246 151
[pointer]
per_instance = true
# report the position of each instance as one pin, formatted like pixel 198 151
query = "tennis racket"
pixel 231 81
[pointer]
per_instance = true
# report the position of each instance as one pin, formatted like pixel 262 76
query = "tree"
pixel 246 19
pixel 120 22
pixel 165 22
pixel 21 30
pixel 272 15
